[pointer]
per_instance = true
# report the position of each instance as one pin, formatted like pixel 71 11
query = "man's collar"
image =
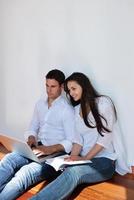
pixel 55 100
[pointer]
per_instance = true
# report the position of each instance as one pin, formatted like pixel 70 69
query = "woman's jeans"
pixel 18 173
pixel 100 169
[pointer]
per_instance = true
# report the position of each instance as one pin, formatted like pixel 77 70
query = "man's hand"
pixel 46 150
pixel 40 150
pixel 32 141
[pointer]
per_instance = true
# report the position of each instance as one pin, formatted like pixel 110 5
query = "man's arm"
pixel 47 150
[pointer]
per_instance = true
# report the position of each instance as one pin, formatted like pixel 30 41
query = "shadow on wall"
pixel 5 128
pixel 2 100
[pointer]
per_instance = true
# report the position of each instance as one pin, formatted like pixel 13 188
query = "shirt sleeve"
pixel 68 125
pixel 107 111
pixel 34 125
pixel 78 139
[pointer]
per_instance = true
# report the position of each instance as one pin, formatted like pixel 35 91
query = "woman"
pixel 95 117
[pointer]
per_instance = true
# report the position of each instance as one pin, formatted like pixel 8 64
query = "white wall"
pixel 92 36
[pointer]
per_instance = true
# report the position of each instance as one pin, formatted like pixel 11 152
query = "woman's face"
pixel 75 90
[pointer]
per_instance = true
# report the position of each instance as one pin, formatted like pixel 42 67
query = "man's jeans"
pixel 18 173
pixel 100 169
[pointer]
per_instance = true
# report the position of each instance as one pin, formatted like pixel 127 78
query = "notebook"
pixel 21 147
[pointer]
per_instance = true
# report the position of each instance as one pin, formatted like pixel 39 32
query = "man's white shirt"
pixel 53 125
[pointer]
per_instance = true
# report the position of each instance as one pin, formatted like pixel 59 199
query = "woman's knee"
pixel 73 173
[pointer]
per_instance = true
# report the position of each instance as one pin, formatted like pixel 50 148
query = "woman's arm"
pixel 93 152
pixel 76 149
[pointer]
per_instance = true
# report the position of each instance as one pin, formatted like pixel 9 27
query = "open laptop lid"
pixel 21 147
pixel 16 145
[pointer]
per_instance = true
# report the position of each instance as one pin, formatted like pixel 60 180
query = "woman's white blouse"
pixel 111 141
pixel 88 137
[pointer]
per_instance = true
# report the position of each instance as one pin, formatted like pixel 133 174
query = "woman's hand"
pixel 74 158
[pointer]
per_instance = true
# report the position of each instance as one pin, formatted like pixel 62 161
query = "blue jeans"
pixel 18 173
pixel 100 169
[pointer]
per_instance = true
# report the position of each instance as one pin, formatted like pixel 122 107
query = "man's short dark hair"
pixel 57 75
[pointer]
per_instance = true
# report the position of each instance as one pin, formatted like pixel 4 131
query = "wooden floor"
pixel 118 188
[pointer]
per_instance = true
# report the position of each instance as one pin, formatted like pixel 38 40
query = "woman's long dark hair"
pixel 88 99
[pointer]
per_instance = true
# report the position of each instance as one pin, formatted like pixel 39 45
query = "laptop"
pixel 21 147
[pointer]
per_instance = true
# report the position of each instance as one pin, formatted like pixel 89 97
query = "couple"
pixel 84 128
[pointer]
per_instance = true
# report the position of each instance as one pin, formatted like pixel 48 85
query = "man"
pixel 52 127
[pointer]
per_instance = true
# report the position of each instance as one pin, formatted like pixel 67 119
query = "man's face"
pixel 53 88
